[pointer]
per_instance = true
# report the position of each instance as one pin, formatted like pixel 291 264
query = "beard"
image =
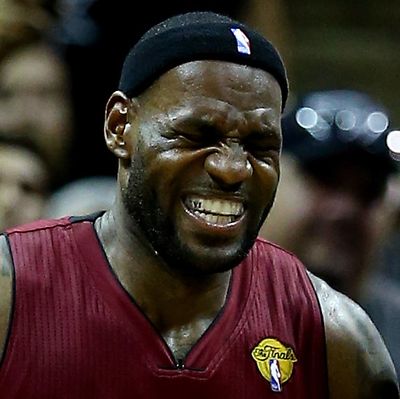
pixel 158 229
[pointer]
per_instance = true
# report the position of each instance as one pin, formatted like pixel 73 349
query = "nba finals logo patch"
pixel 275 362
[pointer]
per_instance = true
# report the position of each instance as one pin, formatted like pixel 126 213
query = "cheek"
pixel 264 181
pixel 165 173
pixel 170 167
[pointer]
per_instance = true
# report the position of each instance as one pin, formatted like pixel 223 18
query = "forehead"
pixel 215 84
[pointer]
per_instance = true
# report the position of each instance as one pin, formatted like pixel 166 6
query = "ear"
pixel 117 124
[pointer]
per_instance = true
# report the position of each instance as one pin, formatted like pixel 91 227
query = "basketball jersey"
pixel 76 333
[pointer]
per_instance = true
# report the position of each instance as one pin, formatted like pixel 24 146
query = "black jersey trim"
pixel 88 218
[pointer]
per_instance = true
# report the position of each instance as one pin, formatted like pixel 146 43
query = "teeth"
pixel 215 208
pixel 214 219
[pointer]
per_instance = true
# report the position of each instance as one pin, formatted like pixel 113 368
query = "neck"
pixel 172 301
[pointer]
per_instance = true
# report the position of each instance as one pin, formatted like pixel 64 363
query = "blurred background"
pixel 76 48
pixel 340 44
pixel 338 203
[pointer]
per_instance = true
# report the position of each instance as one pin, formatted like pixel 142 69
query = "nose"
pixel 229 165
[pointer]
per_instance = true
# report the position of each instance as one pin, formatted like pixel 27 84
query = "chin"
pixel 203 262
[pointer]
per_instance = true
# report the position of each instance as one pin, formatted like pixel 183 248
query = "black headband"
pixel 167 46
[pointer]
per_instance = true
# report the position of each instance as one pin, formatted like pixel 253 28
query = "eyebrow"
pixel 203 125
pixel 218 119
pixel 267 116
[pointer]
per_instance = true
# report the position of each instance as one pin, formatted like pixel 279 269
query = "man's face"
pixel 34 101
pixel 205 145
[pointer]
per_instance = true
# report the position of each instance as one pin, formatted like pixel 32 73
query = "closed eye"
pixel 260 147
pixel 201 137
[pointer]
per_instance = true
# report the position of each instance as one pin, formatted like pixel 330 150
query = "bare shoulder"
pixel 6 281
pixel 359 365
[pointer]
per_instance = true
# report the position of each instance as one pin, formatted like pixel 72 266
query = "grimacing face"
pixel 205 143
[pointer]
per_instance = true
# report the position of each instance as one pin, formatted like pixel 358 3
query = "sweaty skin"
pixel 210 143
pixel 194 150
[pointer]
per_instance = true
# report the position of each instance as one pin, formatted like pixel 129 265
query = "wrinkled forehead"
pixel 216 96
pixel 219 84
pixel 238 77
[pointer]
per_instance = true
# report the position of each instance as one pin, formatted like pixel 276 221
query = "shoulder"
pixel 359 364
pixel 272 249
pixel 7 271
pixel 40 225
pixel 281 262
pixel 63 222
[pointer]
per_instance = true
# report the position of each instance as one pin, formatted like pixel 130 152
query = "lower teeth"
pixel 215 219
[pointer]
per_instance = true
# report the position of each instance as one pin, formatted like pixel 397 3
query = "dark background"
pixel 326 45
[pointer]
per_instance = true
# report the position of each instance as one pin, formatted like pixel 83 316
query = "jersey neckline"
pixel 209 349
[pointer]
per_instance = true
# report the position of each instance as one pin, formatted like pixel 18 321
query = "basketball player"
pixel 169 292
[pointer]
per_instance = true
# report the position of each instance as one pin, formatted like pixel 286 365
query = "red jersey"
pixel 76 333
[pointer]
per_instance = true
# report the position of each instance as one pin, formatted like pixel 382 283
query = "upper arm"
pixel 359 365
pixel 6 281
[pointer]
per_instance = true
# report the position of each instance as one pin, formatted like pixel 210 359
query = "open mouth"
pixel 214 211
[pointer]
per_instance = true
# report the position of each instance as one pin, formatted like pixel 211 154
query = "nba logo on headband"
pixel 242 41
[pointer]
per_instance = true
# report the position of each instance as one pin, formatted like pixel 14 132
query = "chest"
pixel 78 334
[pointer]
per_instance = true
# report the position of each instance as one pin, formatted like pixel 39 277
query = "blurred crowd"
pixel 59 63
pixel 338 204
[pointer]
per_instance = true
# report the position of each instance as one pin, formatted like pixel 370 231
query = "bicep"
pixel 359 364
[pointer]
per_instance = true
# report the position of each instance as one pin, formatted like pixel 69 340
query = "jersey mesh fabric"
pixel 76 333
